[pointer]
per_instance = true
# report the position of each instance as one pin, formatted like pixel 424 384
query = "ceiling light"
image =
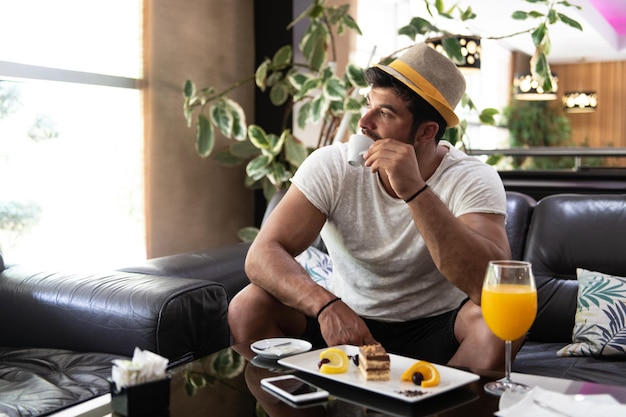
pixel 526 88
pixel 469 48
pixel 580 101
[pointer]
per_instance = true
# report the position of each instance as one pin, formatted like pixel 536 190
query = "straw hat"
pixel 432 76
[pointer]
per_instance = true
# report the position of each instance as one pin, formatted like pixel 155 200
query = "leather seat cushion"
pixel 35 382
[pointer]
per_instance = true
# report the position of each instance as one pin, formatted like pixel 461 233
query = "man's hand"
pixel 399 163
pixel 342 326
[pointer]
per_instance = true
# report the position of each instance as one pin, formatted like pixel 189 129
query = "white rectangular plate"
pixel 450 378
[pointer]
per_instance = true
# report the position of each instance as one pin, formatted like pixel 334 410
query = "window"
pixel 71 132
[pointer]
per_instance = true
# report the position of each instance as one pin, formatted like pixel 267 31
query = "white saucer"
pixel 269 348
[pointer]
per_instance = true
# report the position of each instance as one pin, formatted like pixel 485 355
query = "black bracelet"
pixel 421 190
pixel 324 307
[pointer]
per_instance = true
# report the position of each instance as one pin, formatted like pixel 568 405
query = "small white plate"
pixel 279 347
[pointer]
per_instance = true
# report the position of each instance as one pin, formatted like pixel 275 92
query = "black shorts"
pixel 431 338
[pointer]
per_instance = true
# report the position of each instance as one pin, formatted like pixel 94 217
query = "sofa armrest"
pixel 224 265
pixel 177 318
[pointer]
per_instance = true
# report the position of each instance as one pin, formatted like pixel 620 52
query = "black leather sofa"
pixel 59 331
pixel 557 234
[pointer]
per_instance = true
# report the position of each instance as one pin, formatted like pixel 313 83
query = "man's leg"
pixel 254 314
pixel 478 346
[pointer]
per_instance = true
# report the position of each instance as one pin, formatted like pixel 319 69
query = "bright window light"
pixel 71 153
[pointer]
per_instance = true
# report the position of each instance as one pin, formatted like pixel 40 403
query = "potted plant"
pixel 323 96
pixel 537 123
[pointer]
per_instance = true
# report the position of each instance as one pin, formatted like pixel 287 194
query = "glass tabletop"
pixel 229 381
pixel 227 384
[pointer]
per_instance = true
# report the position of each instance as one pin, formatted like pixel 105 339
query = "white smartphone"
pixel 294 390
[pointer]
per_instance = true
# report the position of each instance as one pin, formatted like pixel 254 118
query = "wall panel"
pixel 607 125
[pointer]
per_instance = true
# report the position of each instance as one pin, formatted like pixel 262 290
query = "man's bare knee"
pixel 255 314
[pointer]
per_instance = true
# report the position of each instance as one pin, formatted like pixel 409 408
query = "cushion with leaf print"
pixel 317 264
pixel 600 324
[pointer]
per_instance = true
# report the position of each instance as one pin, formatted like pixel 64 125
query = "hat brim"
pixel 440 104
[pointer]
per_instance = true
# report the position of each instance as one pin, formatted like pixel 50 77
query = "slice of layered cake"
pixel 374 363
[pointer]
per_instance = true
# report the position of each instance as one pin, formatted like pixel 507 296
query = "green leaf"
pixel 297 79
pixel 354 122
pixel 303 114
pixel 352 104
pixel 313 45
pixel 260 76
pixel 258 137
pixel 408 31
pixel 226 158
pixel 319 105
pixel 273 79
pixel 452 46
pixel 487 116
pixel 282 57
pixel 451 135
pixel 279 93
pixel 205 136
pixel 276 142
pixel 318 56
pixel 258 167
pixel 552 18
pixel 295 151
pixel 278 175
pixel 336 13
pixel 306 13
pixel 351 23
pixel 244 150
pixel 189 89
pixel 239 130
pixel 439 6
pixel 333 89
pixel 422 26
pixel 519 15
pixel 538 34
pixel 309 85
pixel 268 189
pixel 222 117
pixel 247 234
pixel 570 22
pixel 356 76
pixel 467 14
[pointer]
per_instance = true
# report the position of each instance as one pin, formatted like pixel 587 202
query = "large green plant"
pixel 538 123
pixel 322 96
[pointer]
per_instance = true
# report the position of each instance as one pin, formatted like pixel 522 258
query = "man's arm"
pixel 291 227
pixel 460 247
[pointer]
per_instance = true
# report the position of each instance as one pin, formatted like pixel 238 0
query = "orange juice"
pixel 509 309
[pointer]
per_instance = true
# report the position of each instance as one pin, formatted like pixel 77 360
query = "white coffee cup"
pixel 357 147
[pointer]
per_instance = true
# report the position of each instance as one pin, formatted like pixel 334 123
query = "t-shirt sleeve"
pixel 319 176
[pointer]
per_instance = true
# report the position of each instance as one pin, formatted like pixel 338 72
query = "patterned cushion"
pixel 317 264
pixel 600 326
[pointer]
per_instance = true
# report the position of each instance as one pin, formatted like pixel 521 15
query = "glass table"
pixel 227 384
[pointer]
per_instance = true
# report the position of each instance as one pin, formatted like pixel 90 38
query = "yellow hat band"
pixel 420 82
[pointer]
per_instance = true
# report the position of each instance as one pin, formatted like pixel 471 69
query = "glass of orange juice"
pixel 509 306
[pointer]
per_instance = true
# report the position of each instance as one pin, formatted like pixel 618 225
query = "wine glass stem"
pixel 507 362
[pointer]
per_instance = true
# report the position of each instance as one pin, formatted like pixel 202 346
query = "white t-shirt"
pixel 381 266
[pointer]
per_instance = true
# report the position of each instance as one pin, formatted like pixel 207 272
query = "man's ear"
pixel 427 131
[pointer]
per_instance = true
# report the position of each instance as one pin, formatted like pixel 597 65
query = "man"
pixel 409 235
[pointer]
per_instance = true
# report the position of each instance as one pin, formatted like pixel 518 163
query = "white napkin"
pixel 539 402
pixel 144 367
